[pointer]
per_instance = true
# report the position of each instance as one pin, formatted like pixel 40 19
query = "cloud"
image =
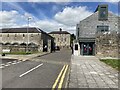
pixel 49 0
pixel 52 25
pixel 72 15
pixel 13 18
pixel 66 19
pixel 112 1
pixel 10 18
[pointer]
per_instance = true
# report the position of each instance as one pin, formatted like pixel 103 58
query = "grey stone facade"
pixel 103 43
pixel 87 28
pixel 17 39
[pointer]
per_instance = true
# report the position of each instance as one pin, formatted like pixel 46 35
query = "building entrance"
pixel 87 48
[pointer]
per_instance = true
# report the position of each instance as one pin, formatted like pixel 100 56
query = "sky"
pixel 49 16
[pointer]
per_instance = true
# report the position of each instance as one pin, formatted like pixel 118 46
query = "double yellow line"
pixel 60 78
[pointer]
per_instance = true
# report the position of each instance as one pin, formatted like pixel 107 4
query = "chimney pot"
pixel 60 29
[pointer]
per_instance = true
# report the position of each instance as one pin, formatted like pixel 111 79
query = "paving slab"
pixel 89 72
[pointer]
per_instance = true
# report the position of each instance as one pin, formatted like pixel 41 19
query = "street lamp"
pixel 28 34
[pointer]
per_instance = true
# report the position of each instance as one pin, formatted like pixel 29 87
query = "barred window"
pixel 102 28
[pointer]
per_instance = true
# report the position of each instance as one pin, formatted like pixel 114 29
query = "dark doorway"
pixel 87 48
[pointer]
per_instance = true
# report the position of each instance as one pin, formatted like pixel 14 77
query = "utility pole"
pixel 27 49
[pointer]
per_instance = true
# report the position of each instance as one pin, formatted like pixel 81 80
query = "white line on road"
pixel 1 67
pixel 2 64
pixel 19 61
pixel 9 62
pixel 31 70
pixel 7 65
pixel 14 63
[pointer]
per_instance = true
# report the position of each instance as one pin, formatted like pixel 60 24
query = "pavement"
pixel 87 72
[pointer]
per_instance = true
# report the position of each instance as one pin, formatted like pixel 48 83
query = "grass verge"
pixel 112 62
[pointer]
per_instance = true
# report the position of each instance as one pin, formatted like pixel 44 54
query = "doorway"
pixel 87 48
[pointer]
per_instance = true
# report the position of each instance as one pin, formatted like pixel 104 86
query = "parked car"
pixel 3 54
pixel 57 48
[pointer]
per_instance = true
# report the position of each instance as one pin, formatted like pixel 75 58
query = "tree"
pixel 73 37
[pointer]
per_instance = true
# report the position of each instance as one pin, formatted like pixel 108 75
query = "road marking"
pixel 54 85
pixel 62 78
pixel 31 70
pixel 14 63
pixel 19 61
pixel 9 62
pixel 2 67
pixel 7 65
pixel 2 64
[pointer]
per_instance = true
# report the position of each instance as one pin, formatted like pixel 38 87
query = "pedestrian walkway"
pixel 24 57
pixel 89 72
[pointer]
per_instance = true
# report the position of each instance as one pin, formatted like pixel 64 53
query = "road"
pixel 39 72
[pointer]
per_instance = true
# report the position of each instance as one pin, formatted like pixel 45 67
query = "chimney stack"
pixel 60 29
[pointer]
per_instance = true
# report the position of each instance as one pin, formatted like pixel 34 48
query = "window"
pixel 31 35
pixel 8 35
pixel 15 35
pixel 78 32
pixel 65 39
pixel 102 28
pixel 103 12
pixel 23 35
pixel 61 39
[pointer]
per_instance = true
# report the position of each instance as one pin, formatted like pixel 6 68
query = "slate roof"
pixel 59 32
pixel 21 30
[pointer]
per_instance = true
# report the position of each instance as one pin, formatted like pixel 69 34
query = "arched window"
pixel 15 44
pixel 32 45
pixel 23 35
pixel 7 35
pixel 15 35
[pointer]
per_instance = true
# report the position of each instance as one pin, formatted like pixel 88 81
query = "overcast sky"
pixel 49 16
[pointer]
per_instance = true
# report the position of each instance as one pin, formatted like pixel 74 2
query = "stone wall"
pixel 108 44
pixel 19 41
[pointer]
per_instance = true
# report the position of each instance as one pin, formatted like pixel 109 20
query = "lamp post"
pixel 28 19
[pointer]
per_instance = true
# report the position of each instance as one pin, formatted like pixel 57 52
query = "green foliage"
pixel 73 37
pixel 112 62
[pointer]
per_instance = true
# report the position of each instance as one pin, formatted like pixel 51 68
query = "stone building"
pixel 17 39
pixel 62 38
pixel 87 30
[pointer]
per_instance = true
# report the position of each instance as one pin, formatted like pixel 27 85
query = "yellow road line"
pixel 54 85
pixel 62 78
